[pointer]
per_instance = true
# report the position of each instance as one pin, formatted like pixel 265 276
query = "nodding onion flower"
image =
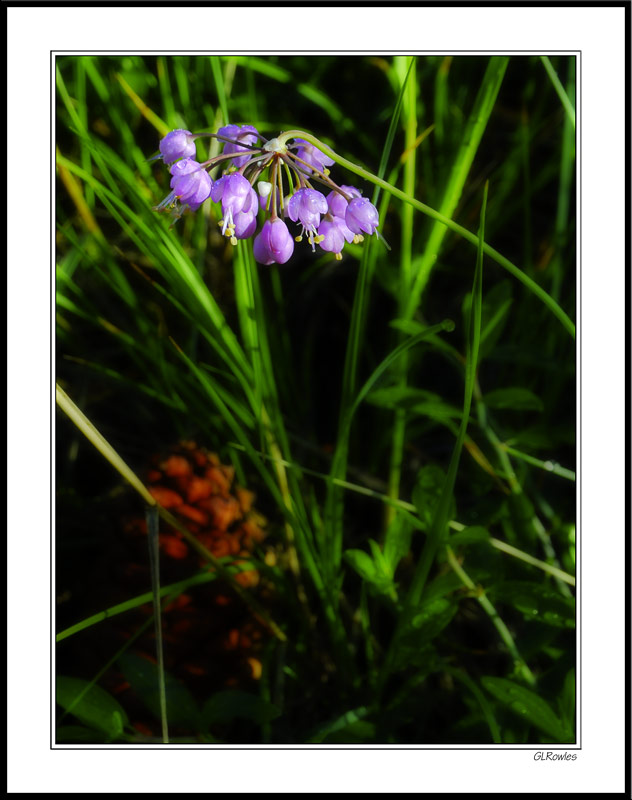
pixel 286 173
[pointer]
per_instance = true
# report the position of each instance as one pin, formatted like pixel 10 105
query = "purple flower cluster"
pixel 328 220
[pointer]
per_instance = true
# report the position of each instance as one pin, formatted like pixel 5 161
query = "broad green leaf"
pixel 226 706
pixel 95 707
pixel 515 398
pixel 375 572
pixel 432 619
pixel 142 675
pixel 528 706
pixel 536 602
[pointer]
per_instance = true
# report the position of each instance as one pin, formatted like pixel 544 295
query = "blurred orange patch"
pixel 166 497
pixel 173 547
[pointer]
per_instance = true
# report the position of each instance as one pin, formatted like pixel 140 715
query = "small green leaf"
pixel 375 572
pixel 528 706
pixel 381 564
pixel 514 398
pixel 95 707
pixel 362 563
pixel 224 707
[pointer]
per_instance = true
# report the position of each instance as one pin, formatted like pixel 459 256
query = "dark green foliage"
pixel 404 416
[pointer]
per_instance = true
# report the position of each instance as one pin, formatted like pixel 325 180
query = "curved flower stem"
pixel 537 290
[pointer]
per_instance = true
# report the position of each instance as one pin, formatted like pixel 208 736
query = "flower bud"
pixel 177 144
pixel 362 216
pixel 274 244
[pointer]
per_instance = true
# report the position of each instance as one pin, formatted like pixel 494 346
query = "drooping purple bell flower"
pixel 362 216
pixel 334 233
pixel 307 152
pixel 274 244
pixel 177 144
pixel 236 194
pixel 245 135
pixel 306 206
pixel 245 223
pixel 337 203
pixel 191 183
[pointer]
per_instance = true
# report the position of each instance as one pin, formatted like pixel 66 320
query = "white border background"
pixel 599 34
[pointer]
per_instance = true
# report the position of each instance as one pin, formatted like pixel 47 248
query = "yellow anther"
pixel 298 238
pixel 338 256
pixel 233 240
pixel 318 239
pixel 358 238
pixel 326 171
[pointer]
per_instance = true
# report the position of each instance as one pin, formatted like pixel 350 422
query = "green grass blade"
pixel 559 88
pixel 151 515
pixel 173 589
pixel 474 131
pixel 405 278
